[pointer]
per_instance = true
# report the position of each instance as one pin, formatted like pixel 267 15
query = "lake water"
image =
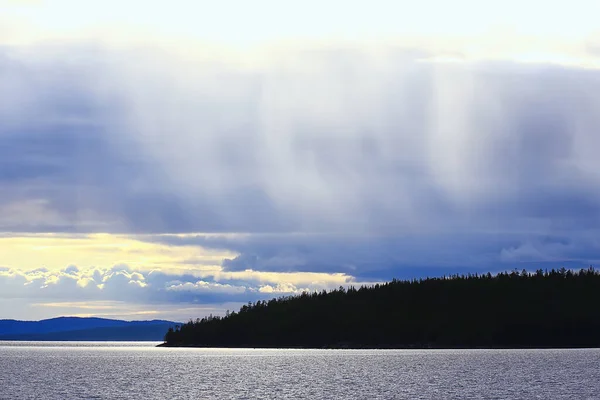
pixel 35 370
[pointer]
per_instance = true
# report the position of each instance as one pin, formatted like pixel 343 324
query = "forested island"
pixel 557 308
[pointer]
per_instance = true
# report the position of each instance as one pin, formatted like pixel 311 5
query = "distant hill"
pixel 511 309
pixel 75 328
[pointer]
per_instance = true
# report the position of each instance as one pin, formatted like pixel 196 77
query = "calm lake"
pixel 84 370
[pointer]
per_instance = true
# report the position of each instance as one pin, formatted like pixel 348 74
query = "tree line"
pixel 557 308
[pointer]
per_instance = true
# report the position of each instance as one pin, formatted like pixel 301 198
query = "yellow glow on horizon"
pixel 55 252
pixel 130 311
pixel 104 250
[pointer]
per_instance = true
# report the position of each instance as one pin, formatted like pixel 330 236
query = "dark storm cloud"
pixel 373 258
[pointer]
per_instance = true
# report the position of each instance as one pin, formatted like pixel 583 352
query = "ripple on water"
pixel 139 370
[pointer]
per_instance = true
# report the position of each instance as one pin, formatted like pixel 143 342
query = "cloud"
pixel 123 292
pixel 338 141
pixel 121 283
pixel 351 164
pixel 205 287
pixel 54 251
pixel 382 257
pixel 491 28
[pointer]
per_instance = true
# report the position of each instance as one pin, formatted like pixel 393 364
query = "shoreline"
pixel 381 347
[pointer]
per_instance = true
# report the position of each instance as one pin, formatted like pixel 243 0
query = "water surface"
pixel 88 370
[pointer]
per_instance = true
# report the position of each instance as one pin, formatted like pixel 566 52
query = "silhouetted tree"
pixel 559 308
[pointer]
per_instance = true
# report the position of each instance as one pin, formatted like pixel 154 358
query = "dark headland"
pixel 544 309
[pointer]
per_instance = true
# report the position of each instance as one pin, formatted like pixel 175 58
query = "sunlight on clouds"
pixel 103 250
pixel 265 282
pixel 116 266
pixel 120 291
pixel 121 282
pixel 281 288
pixel 316 280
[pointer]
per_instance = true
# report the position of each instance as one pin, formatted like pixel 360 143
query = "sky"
pixel 175 159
